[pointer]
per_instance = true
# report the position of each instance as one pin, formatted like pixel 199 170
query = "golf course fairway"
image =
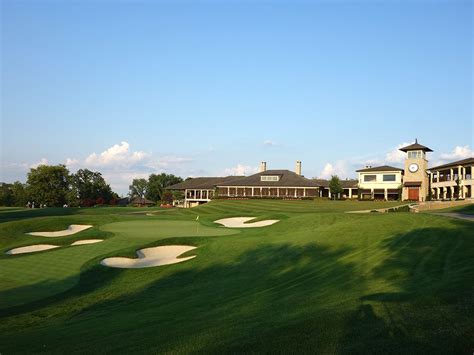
pixel 320 280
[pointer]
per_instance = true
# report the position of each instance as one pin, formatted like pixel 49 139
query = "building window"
pixel 390 177
pixel 370 178
pixel 269 178
pixel 414 154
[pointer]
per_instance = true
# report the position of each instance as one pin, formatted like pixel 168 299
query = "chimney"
pixel 263 166
pixel 298 168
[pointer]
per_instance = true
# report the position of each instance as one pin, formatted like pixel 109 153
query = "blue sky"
pixel 212 87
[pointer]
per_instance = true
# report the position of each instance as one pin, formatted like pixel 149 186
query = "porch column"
pixel 304 192
pixel 385 194
pixel 451 171
pixel 445 192
pixel 228 191
pixel 253 194
pixel 350 192
pixel 329 193
pixel 437 176
pixel 372 193
pixel 278 192
pixel 296 192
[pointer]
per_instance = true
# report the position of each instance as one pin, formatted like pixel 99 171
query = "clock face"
pixel 413 168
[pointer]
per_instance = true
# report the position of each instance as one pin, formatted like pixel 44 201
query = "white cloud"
pixel 119 165
pixel 117 154
pixel 339 168
pixel 458 153
pixel 240 169
pixel 43 161
pixel 70 162
pixel 269 143
pixel 396 155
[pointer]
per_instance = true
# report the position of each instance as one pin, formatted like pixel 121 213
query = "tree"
pixel 91 188
pixel 138 188
pixel 158 183
pixel 49 184
pixel 6 195
pixel 335 186
pixel 13 194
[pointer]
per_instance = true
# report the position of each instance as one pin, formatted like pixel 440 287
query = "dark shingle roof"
pixel 415 146
pixel 203 182
pixel 287 179
pixel 344 183
pixel 455 163
pixel 321 182
pixel 379 168
pixel 349 183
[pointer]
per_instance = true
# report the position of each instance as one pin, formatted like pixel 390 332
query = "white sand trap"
pixel 72 229
pixel 239 222
pixel 32 249
pixel 149 257
pixel 87 241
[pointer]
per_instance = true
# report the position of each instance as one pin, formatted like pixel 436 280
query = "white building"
pixel 381 182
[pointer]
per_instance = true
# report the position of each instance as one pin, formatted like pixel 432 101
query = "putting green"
pixel 54 271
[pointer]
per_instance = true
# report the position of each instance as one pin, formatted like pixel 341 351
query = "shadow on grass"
pixel 12 215
pixel 433 310
pixel 73 286
pixel 278 298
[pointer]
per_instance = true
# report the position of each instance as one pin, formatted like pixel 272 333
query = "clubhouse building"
pixel 415 182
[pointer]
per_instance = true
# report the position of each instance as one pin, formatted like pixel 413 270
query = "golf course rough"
pixel 320 280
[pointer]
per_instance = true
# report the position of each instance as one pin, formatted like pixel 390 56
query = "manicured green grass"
pixel 466 209
pixel 319 280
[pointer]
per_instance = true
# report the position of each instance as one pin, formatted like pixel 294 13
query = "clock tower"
pixel 415 179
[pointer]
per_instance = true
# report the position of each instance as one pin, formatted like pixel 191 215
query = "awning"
pixel 412 183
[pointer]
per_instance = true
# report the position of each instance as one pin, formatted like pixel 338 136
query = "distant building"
pixel 415 182
pixel 380 183
pixel 284 184
pixel 453 180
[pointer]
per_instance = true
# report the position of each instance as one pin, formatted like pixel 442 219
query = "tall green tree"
pixel 335 186
pixel 49 184
pixel 90 187
pixel 158 183
pixel 138 188
pixel 6 195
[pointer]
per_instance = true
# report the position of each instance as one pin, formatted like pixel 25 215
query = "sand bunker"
pixel 239 222
pixel 32 249
pixel 87 241
pixel 149 257
pixel 72 229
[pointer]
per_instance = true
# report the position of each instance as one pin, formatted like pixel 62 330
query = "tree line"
pixel 55 186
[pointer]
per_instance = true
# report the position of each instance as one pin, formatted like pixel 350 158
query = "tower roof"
pixel 415 146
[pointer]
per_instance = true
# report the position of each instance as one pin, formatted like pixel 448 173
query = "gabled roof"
pixel 203 182
pixel 287 178
pixel 141 201
pixel 379 168
pixel 415 146
pixel 468 161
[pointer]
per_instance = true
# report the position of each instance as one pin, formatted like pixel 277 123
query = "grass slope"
pixel 317 281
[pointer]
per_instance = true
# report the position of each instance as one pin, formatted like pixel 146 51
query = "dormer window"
pixel 269 178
